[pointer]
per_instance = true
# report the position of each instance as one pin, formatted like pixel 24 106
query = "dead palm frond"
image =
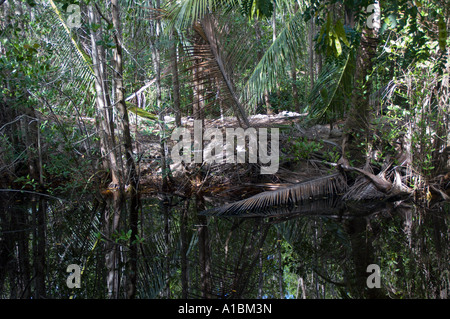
pixel 326 206
pixel 213 39
pixel 208 64
pixel 266 202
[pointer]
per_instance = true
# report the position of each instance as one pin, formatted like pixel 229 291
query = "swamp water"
pixel 322 249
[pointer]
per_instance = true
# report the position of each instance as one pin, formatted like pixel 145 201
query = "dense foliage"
pixel 90 92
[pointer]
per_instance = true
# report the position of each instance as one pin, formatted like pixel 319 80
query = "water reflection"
pixel 161 247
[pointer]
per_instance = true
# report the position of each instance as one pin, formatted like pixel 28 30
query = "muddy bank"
pixel 242 179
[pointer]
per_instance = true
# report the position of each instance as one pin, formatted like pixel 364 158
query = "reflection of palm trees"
pixel 113 256
pixel 332 243
pixel 232 265
pixel 386 184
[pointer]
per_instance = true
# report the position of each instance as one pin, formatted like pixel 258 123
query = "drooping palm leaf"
pixel 74 72
pixel 183 14
pixel 78 48
pixel 212 37
pixel 332 88
pixel 263 203
pixel 207 64
pixel 286 48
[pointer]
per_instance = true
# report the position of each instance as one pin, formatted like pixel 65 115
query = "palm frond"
pixel 183 14
pixel 78 48
pixel 286 48
pixel 266 202
pixel 328 96
pixel 73 64
pixel 214 43
pixel 209 61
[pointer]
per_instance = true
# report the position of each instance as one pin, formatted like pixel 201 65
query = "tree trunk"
pixel 184 250
pixel 274 37
pixel 156 59
pixel 260 55
pixel 39 212
pixel 198 102
pixel 357 125
pixel 294 86
pixel 167 252
pixel 311 51
pixel 104 109
pixel 175 82
pixel 133 255
pixel 124 122
pixel 29 131
pixel 112 250
pixel 204 252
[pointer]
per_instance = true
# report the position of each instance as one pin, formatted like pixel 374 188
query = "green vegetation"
pixel 388 85
pixel 89 98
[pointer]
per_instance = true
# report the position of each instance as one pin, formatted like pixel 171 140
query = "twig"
pixel 32 192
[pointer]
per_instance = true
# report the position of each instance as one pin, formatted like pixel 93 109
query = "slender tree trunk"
pixel 280 266
pixel 29 129
pixel 260 275
pixel 297 106
pixel 156 60
pixel 204 248
pixel 311 51
pixel 184 250
pixel 198 102
pixel 175 82
pixel 23 253
pixel 167 252
pixel 274 37
pixel 120 96
pixel 266 97
pixel 133 255
pixel 39 212
pixel 6 244
pixel 104 108
pixel 130 164
pixel 294 86
pixel 112 250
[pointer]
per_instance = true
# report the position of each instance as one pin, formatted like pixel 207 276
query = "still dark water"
pixel 322 250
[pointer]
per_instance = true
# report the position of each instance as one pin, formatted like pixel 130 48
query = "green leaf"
pixel 338 46
pixel 324 94
pixel 340 31
pixel 330 91
pixel 95 26
pixel 442 34
pixel 142 113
